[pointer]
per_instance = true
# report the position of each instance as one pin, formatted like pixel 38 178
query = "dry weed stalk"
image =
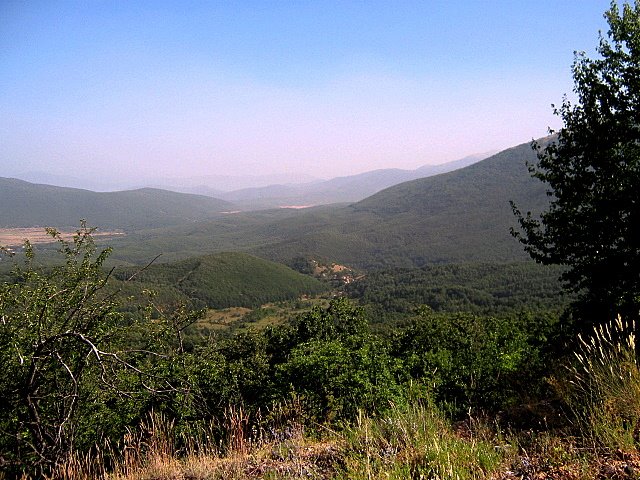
pixel 605 385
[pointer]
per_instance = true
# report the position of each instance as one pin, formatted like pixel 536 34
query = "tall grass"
pixel 604 387
pixel 417 443
pixel 240 446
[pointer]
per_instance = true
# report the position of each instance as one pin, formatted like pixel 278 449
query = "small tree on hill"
pixel 592 168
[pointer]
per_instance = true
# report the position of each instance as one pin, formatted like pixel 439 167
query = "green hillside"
pixel 222 280
pixel 347 189
pixel 460 216
pixel 27 204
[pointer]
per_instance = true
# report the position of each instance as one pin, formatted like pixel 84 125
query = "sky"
pixel 135 89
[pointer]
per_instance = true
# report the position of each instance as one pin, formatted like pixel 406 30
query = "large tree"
pixel 592 168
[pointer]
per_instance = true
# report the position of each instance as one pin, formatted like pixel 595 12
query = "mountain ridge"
pixel 458 216
pixel 342 189
pixel 28 204
pixel 255 196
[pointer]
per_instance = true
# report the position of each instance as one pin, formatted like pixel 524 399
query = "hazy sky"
pixel 133 88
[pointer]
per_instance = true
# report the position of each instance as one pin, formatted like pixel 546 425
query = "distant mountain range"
pixel 27 204
pixel 265 191
pixel 346 189
pixel 210 185
pixel 459 216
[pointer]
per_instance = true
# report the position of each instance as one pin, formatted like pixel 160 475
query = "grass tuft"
pixel 417 443
pixel 604 388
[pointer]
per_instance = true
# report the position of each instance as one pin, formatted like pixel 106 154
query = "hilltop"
pixel 222 280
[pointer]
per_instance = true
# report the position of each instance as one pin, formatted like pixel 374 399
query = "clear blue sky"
pixel 133 88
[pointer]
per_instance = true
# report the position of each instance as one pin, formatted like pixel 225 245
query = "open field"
pixel 238 319
pixel 13 237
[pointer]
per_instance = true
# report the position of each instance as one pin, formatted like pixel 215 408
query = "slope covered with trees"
pixel 460 216
pixel 26 204
pixel 480 288
pixel 221 280
pixel 347 189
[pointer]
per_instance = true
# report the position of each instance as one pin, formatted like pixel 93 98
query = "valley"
pixel 251 240
pixel 416 297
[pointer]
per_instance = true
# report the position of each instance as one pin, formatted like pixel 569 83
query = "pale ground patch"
pixel 15 237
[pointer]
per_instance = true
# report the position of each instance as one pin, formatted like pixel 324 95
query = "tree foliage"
pixel 65 352
pixel 592 169
pixel 81 365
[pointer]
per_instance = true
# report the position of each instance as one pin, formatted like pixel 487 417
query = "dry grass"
pixel 604 387
pixel 417 443
pixel 15 237
pixel 240 319
pixel 274 447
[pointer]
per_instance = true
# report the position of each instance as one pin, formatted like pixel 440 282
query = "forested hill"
pixel 459 216
pixel 222 280
pixel 27 204
pixel 486 186
pixel 347 189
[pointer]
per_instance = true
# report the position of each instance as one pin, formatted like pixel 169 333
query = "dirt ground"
pixel 14 237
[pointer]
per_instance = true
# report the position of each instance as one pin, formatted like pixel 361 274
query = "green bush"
pixel 337 378
pixel 75 370
pixel 470 361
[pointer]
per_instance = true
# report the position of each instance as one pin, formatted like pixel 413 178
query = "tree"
pixel 62 349
pixel 592 168
pixel 338 366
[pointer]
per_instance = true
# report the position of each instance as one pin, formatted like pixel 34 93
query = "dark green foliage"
pixel 339 320
pixel 592 172
pixel 302 265
pixel 337 378
pixel 75 371
pixel 331 359
pixel 469 361
pixel 55 332
pixel 338 366
pixel 327 356
pixel 487 289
